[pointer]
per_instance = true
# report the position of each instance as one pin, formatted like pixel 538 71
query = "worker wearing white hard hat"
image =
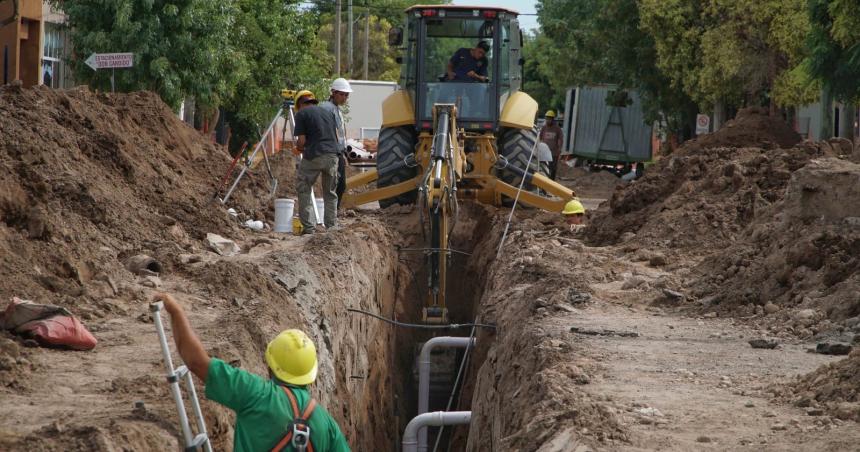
pixel 340 90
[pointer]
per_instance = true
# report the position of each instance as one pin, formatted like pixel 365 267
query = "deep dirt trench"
pixel 91 179
pixel 236 304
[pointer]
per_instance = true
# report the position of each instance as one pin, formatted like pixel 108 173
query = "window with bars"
pixel 55 54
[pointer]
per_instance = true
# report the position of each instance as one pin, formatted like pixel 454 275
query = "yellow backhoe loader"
pixel 447 137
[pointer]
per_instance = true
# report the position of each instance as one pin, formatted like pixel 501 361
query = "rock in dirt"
pixel 576 297
pixel 221 245
pixel 804 314
pixel 764 343
pixel 826 348
pixel 151 281
pixel 779 426
pixel 814 412
pixel 657 260
pixel 674 295
pixel 602 332
pixel 632 282
pixel 771 308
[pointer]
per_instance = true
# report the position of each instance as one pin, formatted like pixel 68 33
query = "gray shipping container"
pixel 597 131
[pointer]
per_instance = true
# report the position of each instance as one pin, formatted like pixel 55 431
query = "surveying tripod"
pixel 285 112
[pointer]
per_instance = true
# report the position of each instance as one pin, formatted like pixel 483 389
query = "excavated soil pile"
pixel 88 180
pixel 833 388
pixel 530 387
pixel 698 201
pixel 599 184
pixel 83 172
pixel 752 127
pixel 803 253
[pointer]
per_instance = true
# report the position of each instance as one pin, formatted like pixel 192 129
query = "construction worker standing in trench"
pixel 275 414
pixel 316 129
pixel 574 214
pixel 552 135
pixel 340 90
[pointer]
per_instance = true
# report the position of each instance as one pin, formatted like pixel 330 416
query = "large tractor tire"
pixel 516 146
pixel 394 144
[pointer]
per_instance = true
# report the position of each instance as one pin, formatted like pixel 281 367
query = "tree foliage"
pixel 277 47
pixel 834 46
pixel 537 52
pixel 236 54
pixel 735 51
pixel 178 45
pixel 381 58
pixel 685 55
pixel 602 42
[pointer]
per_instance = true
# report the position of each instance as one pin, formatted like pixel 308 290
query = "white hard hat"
pixel 340 84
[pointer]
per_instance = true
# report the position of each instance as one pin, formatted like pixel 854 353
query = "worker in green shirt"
pixel 275 414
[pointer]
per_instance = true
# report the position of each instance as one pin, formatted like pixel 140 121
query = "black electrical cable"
pixel 450 326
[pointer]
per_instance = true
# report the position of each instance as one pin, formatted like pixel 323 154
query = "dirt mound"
pixel 698 201
pixel 752 127
pixel 598 184
pixel 803 253
pixel 834 387
pixel 88 179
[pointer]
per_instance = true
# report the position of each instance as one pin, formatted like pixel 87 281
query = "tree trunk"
pixel 826 113
pixel 846 121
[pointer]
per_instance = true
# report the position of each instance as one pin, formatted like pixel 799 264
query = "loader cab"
pixel 433 34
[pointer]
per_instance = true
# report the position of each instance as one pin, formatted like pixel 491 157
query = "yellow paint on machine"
pixel 397 110
pixel 519 111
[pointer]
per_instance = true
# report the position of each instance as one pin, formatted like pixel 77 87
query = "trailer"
pixel 606 129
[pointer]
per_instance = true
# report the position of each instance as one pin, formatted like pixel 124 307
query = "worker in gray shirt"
pixel 317 143
pixel 340 90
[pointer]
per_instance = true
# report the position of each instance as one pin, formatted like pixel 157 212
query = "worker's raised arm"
pixel 187 343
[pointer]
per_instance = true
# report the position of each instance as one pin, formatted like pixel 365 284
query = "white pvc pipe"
pixel 424 374
pixel 434 419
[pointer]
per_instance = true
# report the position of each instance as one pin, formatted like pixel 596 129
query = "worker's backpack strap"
pixel 298 431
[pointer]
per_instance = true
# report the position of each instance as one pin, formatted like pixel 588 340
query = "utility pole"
pixel 349 36
pixel 337 39
pixel 366 41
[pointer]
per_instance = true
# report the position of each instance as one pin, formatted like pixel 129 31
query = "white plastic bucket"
pixel 320 202
pixel 284 215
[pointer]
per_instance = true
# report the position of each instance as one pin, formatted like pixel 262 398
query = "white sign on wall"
pixel 703 124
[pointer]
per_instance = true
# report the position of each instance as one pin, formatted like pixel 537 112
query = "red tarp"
pixel 47 324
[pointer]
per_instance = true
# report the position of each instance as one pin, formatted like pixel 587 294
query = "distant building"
pixel 35 48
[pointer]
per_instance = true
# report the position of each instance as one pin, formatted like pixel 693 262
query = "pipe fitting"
pixel 434 419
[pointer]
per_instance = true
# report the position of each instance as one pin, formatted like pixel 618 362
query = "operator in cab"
pixel 469 65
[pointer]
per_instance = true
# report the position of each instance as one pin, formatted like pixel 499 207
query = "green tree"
pixel 737 51
pixel 834 55
pixel 181 47
pixel 537 52
pixel 381 59
pixel 279 48
pixel 601 41
pixel 834 47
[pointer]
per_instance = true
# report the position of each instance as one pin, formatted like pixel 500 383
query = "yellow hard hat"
pixel 305 93
pixel 292 357
pixel 550 114
pixel 573 207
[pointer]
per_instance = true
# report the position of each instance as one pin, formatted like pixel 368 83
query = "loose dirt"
pixel 616 337
pixel 751 127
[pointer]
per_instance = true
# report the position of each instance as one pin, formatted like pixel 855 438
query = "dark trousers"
pixel 341 177
pixel 553 167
